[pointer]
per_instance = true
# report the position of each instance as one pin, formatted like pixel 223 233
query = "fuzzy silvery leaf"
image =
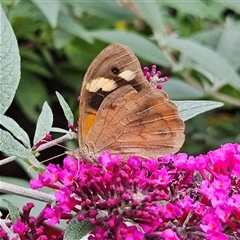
pixel 77 229
pixel 11 147
pixel 50 10
pixel 151 14
pixel 66 109
pixel 9 63
pixel 15 129
pixel 136 42
pixel 190 109
pixel 44 123
pixel 176 88
pixel 206 61
pixel 76 28
pixel 13 211
pixel 229 42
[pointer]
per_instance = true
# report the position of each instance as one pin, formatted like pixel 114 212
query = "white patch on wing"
pixel 128 75
pixel 105 84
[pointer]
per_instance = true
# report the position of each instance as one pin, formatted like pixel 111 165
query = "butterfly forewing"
pixel 102 78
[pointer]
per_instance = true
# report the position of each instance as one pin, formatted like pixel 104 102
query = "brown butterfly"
pixel 121 112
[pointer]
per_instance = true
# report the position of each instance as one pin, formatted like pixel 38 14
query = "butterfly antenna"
pixel 46 160
pixel 66 148
pixel 59 145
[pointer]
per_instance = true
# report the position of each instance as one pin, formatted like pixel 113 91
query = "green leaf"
pixel 66 109
pixel 150 12
pixel 34 64
pixel 15 129
pixel 31 87
pixel 75 28
pixel 79 60
pixel 61 38
pixel 196 8
pixel 208 37
pixel 150 52
pixel 9 63
pixel 13 211
pixel 19 9
pixel 105 9
pixel 30 56
pixel 50 10
pixel 178 89
pixel 44 123
pixel 229 43
pixel 206 61
pixel 77 229
pixel 12 147
pixel 190 109
pixel 35 68
pixel 233 5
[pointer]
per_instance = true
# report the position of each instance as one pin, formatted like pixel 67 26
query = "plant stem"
pixel 54 142
pixel 7 160
pixel 26 192
pixel 3 225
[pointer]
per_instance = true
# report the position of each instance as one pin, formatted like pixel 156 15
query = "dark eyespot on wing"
pixel 115 70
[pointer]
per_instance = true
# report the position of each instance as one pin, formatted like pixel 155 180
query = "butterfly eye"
pixel 115 70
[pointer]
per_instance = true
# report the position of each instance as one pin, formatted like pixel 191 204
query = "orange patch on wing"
pixel 89 119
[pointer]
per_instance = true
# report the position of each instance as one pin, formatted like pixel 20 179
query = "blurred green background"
pixel 196 44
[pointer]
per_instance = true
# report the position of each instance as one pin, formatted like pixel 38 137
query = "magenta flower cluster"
pixel 153 76
pixel 175 197
pixel 29 228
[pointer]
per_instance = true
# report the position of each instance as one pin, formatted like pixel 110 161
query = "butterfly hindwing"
pixel 127 124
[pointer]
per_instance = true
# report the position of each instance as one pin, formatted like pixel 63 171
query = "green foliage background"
pixel 195 43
